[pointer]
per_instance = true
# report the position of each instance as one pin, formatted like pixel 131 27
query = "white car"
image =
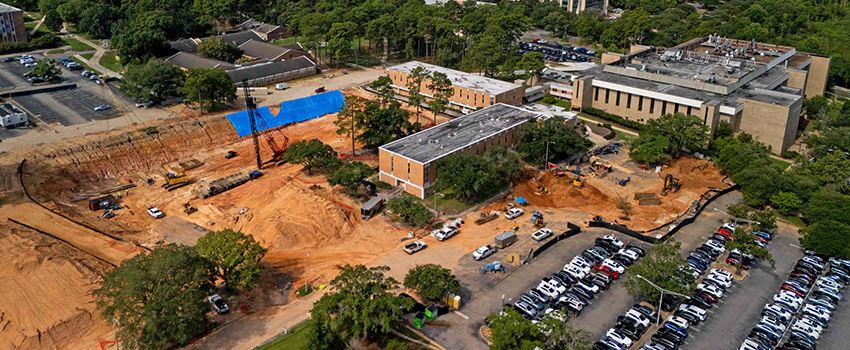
pixel 714 291
pixel 750 344
pixel 624 341
pixel 723 283
pixel 829 283
pixel 541 234
pixel 696 310
pixel 445 233
pixel 721 273
pixel 102 107
pixel 588 286
pixel 614 241
pixel 681 322
pixel 817 311
pixel 555 284
pixel 153 211
pixel 575 271
pixel 218 303
pixel 716 246
pixel 778 310
pixel 805 328
pixel 548 290
pixel 581 265
pixel 614 265
pixel 514 213
pixel 483 252
pixel 773 322
pixel 631 254
pixel 639 317
pixel 414 247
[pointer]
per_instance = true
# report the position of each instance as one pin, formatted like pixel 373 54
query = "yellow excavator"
pixel 577 181
pixel 670 184
pixel 188 208
pixel 175 180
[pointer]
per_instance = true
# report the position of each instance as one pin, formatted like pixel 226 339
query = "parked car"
pixel 483 252
pixel 102 107
pixel 445 233
pixel 414 247
pixel 541 234
pixel 155 213
pixel 144 104
pixel 218 303
pixel 513 213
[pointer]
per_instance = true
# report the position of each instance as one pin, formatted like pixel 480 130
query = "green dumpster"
pixel 432 312
pixel 419 320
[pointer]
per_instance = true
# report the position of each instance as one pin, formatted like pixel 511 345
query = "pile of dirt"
pixel 560 192
pixel 47 286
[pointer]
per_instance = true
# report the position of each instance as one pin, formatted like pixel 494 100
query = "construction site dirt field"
pixel 288 211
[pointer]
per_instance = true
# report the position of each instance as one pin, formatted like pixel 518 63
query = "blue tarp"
pixel 294 111
pixel 521 200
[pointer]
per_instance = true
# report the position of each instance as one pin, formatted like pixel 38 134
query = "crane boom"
pixel 258 122
pixel 249 102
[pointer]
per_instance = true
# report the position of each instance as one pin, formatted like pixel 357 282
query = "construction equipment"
pixel 188 208
pixel 189 164
pixel 256 120
pixel 603 165
pixel 625 181
pixel 555 168
pixel 492 267
pixel 537 219
pixel 107 214
pixel 670 184
pixel 174 181
pixel 485 218
pixel 577 182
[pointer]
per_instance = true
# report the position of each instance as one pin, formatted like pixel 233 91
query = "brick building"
pixel 410 162
pixel 470 90
pixel 12 25
pixel 758 88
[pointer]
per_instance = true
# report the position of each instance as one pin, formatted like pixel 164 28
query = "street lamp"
pixel 660 299
pixel 435 202
pixel 306 283
pixel 736 219
pixel 115 332
pixel 546 166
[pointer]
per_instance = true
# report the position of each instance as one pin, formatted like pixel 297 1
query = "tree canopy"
pixel 828 237
pixel 209 86
pixel 46 69
pixel 216 48
pixel 665 267
pixel 410 211
pixel 154 80
pixel 384 125
pixel 510 331
pixel 349 176
pixel 431 281
pixel 473 176
pixel 313 154
pixel 361 303
pixel 159 297
pixel 234 255
pixel 563 140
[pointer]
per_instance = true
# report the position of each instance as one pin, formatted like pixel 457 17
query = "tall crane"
pixel 256 120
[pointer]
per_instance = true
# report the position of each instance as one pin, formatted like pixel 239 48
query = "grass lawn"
pixel 780 163
pixel 794 220
pixel 87 56
pixel 56 51
pixel 77 45
pixel 627 138
pixel 108 60
pixel 565 104
pixel 447 203
pixel 29 25
pixel 285 41
pixel 295 339
pixel 87 36
pixel 85 66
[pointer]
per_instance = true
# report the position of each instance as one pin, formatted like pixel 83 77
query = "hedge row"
pixel 613 118
pixel 48 40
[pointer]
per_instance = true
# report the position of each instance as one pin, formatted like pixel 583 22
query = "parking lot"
pixel 65 107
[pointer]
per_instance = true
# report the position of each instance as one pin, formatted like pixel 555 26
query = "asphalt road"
pixel 837 336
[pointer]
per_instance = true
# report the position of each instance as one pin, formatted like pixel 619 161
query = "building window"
pixel 651 105
pixel 663 107
pixel 629 101
pixel 596 94
pixel 618 99
pixel 676 108
pixel 408 170
pixel 689 110
pixel 427 177
pixel 640 103
pixel 391 164
pixel 607 94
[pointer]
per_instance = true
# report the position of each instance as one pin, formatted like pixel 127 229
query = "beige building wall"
pixel 818 74
pixel 773 125
pixel 461 95
pixel 797 79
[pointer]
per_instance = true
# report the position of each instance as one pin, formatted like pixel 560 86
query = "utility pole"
pixel 546 165
pixel 661 299
pixel 306 283
pixel 249 103
pixel 115 333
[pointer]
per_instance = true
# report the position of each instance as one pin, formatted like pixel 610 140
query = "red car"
pixel 707 296
pixel 792 289
pixel 320 90
pixel 607 270
pixel 725 232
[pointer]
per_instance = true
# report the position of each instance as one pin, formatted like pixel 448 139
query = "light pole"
pixel 735 220
pixel 115 332
pixel 660 299
pixel 546 166
pixel 435 202
pixel 306 283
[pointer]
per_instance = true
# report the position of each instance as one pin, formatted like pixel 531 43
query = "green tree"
pixel 384 89
pixel 431 281
pixel 340 39
pixel 758 182
pixel 740 211
pixel 665 267
pixel 507 162
pixel 564 141
pixel 833 168
pixel 384 125
pixel 216 48
pixel 737 155
pixel 472 176
pixel 814 106
pixel 349 176
pixel 96 18
pixel 361 304
pixel 744 241
pixel 649 149
pixel 828 237
pixel 410 211
pixel 532 63
pixel 159 297
pixel 766 219
pixel 46 69
pixel 210 87
pixel 786 202
pixel 313 154
pixel 217 10
pixel 414 88
pixel 154 80
pixel 723 129
pixel 350 119
pixel 510 331
pixel 683 132
pixel 235 256
pixel 624 206
pixel 441 88
pixel 825 205
pixel 137 42
pixel 53 21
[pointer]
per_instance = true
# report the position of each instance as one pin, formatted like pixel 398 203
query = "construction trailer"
pixel 372 207
pixel 505 239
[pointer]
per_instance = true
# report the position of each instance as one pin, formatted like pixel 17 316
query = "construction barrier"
pixel 572 230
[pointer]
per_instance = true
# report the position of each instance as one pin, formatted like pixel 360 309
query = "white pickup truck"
pixel 483 252
pixel 414 247
pixel 445 233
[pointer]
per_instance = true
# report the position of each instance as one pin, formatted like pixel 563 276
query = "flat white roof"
pixel 8 8
pixel 469 81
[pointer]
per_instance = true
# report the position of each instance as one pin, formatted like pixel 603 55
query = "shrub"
pixel 410 211
pixel 613 118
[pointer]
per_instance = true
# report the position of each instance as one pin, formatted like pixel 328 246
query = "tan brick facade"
pixel 461 97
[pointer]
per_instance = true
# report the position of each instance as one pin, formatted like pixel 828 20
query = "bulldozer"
pixel 175 180
pixel 670 184
pixel 188 208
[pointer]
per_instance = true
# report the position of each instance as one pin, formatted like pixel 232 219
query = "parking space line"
pixel 461 315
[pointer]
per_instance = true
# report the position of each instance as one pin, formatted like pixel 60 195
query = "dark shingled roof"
pixel 260 49
pixel 269 68
pixel 185 45
pixel 239 38
pixel 190 60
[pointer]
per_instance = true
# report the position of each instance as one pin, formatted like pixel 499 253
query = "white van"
pixel 281 86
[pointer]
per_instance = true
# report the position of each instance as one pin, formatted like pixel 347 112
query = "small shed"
pixel 505 239
pixel 101 203
pixel 372 207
